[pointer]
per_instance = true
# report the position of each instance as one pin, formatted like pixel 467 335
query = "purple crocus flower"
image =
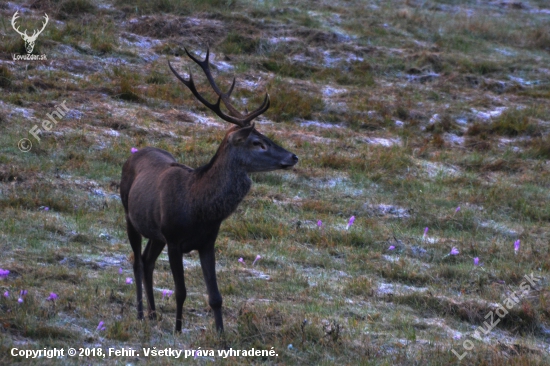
pixel 7 294
pixel 4 273
pixel 320 224
pixel 258 257
pixel 241 260
pixel 53 296
pixel 350 222
pixel 129 280
pixel 23 293
pixel 425 232
pixel 20 300
pixel 167 293
pixel 516 246
pixel 100 326
pixel 46 208
pixel 476 261
pixel 134 150
pixel 454 251
pixel 392 247
pixel 120 271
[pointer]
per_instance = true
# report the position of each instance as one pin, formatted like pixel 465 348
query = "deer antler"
pixel 236 117
pixel 35 34
pixel 13 19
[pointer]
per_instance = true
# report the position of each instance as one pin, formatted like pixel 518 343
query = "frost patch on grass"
pixel 329 91
pixel 314 275
pixel 187 263
pixel 101 260
pixel 331 61
pixel 387 210
pixel 319 124
pixel 423 78
pixel 397 289
pixel 13 110
pixel 382 141
pixel 141 42
pixel 439 323
pixel 206 121
pixel 453 139
pixel 435 118
pixel 438 169
pixel 73 114
pixel 504 142
pixel 342 184
pixel 500 228
pixel 112 133
pixel 391 258
pixel 275 40
pixel 430 240
pixel 522 81
pixel 255 274
pixel 505 52
pixel 489 114
pixel 540 11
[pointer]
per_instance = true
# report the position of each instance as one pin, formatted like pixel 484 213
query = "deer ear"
pixel 239 136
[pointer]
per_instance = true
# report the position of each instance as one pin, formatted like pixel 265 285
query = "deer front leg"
pixel 176 264
pixel 208 264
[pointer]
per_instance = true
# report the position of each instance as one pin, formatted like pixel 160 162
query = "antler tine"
pixel 205 66
pixel 214 107
pixel 264 107
pixel 37 32
pixel 13 19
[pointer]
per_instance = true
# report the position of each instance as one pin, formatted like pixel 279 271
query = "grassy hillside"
pixel 405 114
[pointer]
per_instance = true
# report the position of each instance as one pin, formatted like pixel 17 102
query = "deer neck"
pixel 220 185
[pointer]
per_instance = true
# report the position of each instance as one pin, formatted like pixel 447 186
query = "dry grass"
pixel 400 112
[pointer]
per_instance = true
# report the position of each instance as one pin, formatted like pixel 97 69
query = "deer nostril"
pixel 294 157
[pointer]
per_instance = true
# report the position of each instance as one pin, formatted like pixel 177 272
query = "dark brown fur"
pixel 172 204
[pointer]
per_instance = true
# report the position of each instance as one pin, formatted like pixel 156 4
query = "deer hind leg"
pixel 176 264
pixel 135 242
pixel 149 258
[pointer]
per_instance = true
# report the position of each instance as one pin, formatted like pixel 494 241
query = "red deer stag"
pixel 172 204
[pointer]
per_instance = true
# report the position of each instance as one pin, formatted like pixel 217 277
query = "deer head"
pixel 29 40
pixel 254 151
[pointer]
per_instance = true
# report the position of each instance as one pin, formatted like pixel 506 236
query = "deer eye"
pixel 259 144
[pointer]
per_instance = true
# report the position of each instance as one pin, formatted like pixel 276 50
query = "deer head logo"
pixel 29 40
